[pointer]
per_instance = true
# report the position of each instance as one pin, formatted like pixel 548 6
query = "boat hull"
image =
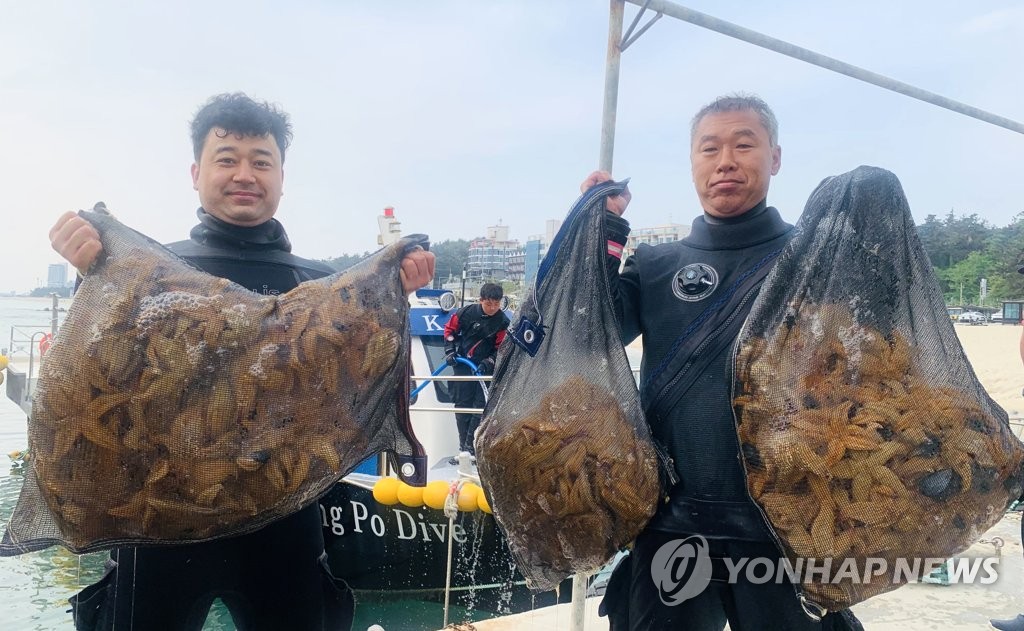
pixel 390 552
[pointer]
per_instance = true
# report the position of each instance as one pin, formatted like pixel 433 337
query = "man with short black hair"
pixel 277 577
pixel 474 332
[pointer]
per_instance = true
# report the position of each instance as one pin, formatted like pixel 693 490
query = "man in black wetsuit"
pixel 685 387
pixel 277 577
pixel 474 332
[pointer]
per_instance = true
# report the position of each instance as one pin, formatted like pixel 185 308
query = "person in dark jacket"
pixel 474 332
pixel 685 387
pixel 276 577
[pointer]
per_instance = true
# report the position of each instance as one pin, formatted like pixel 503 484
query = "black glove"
pixel 486 365
pixel 449 357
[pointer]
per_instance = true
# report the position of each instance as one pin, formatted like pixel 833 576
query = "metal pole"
pixel 448 570
pixel 579 602
pixel 611 100
pixel 53 316
pixel 611 85
pixel 451 511
pixel 31 366
pixel 464 267
pixel 764 41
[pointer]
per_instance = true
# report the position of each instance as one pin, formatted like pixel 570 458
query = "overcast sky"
pixel 466 114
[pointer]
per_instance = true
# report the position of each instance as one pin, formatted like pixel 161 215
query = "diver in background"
pixel 474 332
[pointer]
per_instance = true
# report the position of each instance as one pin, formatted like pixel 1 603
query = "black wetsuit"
pixel 688 406
pixel 476 336
pixel 273 579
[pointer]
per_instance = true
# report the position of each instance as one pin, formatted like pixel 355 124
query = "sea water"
pixel 35 587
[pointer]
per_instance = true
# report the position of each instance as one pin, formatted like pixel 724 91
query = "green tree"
pixel 63 292
pixel 345 261
pixel 1005 247
pixel 949 241
pixel 964 278
pixel 932 234
pixel 451 257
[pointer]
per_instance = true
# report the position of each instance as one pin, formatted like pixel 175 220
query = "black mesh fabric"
pixel 864 431
pixel 175 406
pixel 564 452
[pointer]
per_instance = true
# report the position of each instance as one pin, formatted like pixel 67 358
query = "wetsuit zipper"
pixel 697 351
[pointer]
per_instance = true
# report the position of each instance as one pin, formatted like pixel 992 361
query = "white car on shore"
pixel 971 317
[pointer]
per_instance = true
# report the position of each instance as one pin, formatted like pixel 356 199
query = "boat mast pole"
pixel 611 99
pixel 611 85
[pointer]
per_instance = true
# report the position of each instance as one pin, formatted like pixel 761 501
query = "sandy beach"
pixel 993 352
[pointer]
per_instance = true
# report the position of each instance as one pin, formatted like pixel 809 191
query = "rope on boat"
pixel 451 509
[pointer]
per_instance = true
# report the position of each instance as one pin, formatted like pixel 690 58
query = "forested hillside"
pixel 964 249
pixel 451 256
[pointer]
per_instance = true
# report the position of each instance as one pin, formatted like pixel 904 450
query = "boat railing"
pixel 448 408
pixel 28 340
pixel 24 354
pixel 24 339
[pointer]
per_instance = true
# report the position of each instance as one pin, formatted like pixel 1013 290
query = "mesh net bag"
pixel 175 406
pixel 563 450
pixel 866 437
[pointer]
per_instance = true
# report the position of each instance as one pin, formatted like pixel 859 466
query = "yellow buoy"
pixel 482 503
pixel 411 496
pixel 3 362
pixel 435 493
pixel 468 497
pixel 385 491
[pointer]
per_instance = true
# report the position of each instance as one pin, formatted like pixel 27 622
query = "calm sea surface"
pixel 35 587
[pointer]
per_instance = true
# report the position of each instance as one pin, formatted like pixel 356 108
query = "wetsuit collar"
pixel 759 224
pixel 269 235
pixel 747 216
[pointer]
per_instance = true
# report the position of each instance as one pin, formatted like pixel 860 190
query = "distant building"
pixel 488 256
pixel 516 264
pixel 496 257
pixel 537 248
pixel 653 236
pixel 57 275
pixel 523 262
